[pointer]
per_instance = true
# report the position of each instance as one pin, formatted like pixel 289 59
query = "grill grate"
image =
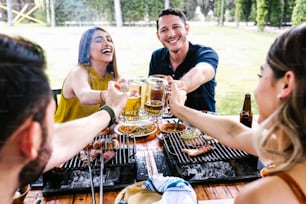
pixel 125 154
pixel 73 175
pixel 174 145
pixel 221 164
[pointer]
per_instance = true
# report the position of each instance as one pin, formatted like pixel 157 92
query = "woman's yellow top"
pixel 70 109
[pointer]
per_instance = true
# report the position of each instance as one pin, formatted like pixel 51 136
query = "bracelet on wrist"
pixel 102 99
pixel 111 113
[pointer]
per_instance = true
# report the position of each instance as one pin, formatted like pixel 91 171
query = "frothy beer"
pixel 153 107
pixel 132 107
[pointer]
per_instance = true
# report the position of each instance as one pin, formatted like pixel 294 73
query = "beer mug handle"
pixel 167 113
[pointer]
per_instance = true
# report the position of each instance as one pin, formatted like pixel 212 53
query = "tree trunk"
pixel 118 14
pixel 47 3
pixel 9 12
pixel 167 4
pixel 222 13
pixel 53 23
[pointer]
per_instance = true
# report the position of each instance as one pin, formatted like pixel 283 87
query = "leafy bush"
pixel 262 12
pixel 299 14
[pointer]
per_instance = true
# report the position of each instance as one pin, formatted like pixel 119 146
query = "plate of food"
pixel 137 130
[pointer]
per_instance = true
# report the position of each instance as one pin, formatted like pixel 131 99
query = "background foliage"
pixel 144 12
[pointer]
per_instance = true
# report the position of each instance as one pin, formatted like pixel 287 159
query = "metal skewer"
pixel 177 124
pixel 91 179
pixel 101 177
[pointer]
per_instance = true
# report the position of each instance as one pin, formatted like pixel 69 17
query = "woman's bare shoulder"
pixel 75 79
pixel 265 190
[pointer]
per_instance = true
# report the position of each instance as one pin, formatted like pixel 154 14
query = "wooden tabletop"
pixel 148 144
pixel 204 192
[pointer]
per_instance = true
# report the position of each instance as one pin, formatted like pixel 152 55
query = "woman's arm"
pixel 76 85
pixel 225 130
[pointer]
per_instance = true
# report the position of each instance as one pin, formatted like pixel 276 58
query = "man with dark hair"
pixel 30 143
pixel 193 65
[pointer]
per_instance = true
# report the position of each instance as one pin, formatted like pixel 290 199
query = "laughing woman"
pixel 83 90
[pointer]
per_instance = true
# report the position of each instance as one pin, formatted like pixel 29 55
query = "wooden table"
pixel 148 144
pixel 204 192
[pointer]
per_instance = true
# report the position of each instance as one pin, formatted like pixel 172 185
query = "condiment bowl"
pixel 169 127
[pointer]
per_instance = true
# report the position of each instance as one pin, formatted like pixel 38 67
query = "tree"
pixel 190 7
pixel 262 13
pixel 9 12
pixel 288 8
pixel 253 11
pixel 167 4
pixel 205 6
pixel 246 10
pixel 178 4
pixel 153 7
pixel 133 10
pixel 276 9
pixel 220 11
pixel 299 12
pixel 238 11
pixel 118 14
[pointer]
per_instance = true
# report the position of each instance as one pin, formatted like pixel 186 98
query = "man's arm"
pixel 71 137
pixel 200 74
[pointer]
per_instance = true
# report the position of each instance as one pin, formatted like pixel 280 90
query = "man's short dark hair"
pixel 24 86
pixel 171 11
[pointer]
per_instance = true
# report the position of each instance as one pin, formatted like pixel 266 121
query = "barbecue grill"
pixel 73 176
pixel 221 164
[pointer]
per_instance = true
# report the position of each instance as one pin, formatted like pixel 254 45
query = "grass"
pixel 241 52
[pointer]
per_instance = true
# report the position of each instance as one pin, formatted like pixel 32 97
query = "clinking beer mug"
pixel 155 97
pixel 130 113
pixel 166 110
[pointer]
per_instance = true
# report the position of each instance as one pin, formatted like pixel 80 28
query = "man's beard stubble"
pixel 34 168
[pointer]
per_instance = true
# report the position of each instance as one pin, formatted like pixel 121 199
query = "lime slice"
pixel 190 134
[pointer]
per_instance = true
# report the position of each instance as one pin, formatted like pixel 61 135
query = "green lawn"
pixel 241 52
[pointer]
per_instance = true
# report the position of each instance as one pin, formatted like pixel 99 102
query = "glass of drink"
pixel 130 113
pixel 155 97
pixel 166 109
pixel 143 83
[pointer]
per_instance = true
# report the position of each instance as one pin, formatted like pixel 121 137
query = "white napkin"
pixel 174 190
pixel 219 201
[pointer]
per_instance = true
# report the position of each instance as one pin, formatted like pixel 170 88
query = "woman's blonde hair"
pixel 287 53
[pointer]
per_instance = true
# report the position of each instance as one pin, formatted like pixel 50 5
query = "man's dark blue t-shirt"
pixel 202 98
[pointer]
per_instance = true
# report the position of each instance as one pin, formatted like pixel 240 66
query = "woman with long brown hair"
pixel 84 87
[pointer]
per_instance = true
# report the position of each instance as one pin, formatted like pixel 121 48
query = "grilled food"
pixel 190 134
pixel 137 130
pixel 96 147
pixel 198 151
pixel 127 129
pixel 109 155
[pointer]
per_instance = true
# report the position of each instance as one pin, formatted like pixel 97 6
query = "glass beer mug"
pixel 155 97
pixel 130 113
pixel 166 109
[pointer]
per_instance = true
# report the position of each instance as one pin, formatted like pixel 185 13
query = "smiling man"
pixel 193 65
